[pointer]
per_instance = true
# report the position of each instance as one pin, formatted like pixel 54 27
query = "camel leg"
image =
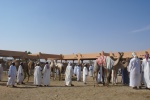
pixel 53 75
pixel 30 72
pixel 24 75
pixel 28 76
pixel 95 79
pixel 59 75
pixel 112 76
pixel 108 76
pixel 110 72
pixel 116 79
pixel 103 76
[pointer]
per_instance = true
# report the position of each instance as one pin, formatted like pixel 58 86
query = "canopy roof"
pixel 15 54
pixel 89 56
pixel 79 56
pixel 45 56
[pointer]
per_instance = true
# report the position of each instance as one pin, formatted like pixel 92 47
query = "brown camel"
pixel 121 65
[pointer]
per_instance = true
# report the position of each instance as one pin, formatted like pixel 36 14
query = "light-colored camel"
pixel 106 72
pixel 31 66
pixel 60 67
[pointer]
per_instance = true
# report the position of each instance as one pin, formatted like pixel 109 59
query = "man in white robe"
pixel 46 75
pixel 109 66
pixel 146 70
pixel 100 75
pixel 38 75
pixel 135 72
pixel 75 70
pixel 78 73
pixel 85 73
pixel 68 75
pixel 12 73
pixel 91 71
pixel 1 72
pixel 20 74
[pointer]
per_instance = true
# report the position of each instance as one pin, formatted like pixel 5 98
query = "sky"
pixel 74 26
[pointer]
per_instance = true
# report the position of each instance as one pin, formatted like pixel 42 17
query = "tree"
pixel 28 52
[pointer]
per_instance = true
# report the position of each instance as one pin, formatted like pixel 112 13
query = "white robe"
pixel 20 74
pixel 100 75
pixel 91 71
pixel 12 75
pixel 75 70
pixel 37 75
pixel 109 63
pixel 142 73
pixel 146 69
pixel 68 75
pixel 1 72
pixel 85 73
pixel 46 75
pixel 135 72
pixel 78 73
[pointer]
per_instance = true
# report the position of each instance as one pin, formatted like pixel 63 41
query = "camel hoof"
pixel 103 84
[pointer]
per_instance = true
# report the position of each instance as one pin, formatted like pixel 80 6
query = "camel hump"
pixel 59 64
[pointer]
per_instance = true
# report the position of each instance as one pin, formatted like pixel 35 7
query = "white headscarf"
pixel 69 63
pixel 134 54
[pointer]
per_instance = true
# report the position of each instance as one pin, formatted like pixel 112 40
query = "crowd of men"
pixel 135 74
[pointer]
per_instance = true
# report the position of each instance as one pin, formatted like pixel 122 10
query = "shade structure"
pixel 44 56
pixel 78 56
pixel 14 54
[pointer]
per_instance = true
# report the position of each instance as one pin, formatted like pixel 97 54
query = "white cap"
pixel 134 54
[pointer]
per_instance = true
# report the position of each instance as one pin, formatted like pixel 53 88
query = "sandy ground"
pixel 57 91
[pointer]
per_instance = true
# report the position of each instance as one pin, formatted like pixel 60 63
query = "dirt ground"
pixel 57 91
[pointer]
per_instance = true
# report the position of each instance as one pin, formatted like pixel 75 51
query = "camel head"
pixel 53 63
pixel 127 59
pixel 125 62
pixel 120 54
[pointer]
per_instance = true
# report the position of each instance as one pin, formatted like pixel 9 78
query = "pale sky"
pixel 73 26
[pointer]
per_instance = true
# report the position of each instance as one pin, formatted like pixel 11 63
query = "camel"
pixel 121 65
pixel 31 66
pixel 57 66
pixel 106 72
pixel 3 63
